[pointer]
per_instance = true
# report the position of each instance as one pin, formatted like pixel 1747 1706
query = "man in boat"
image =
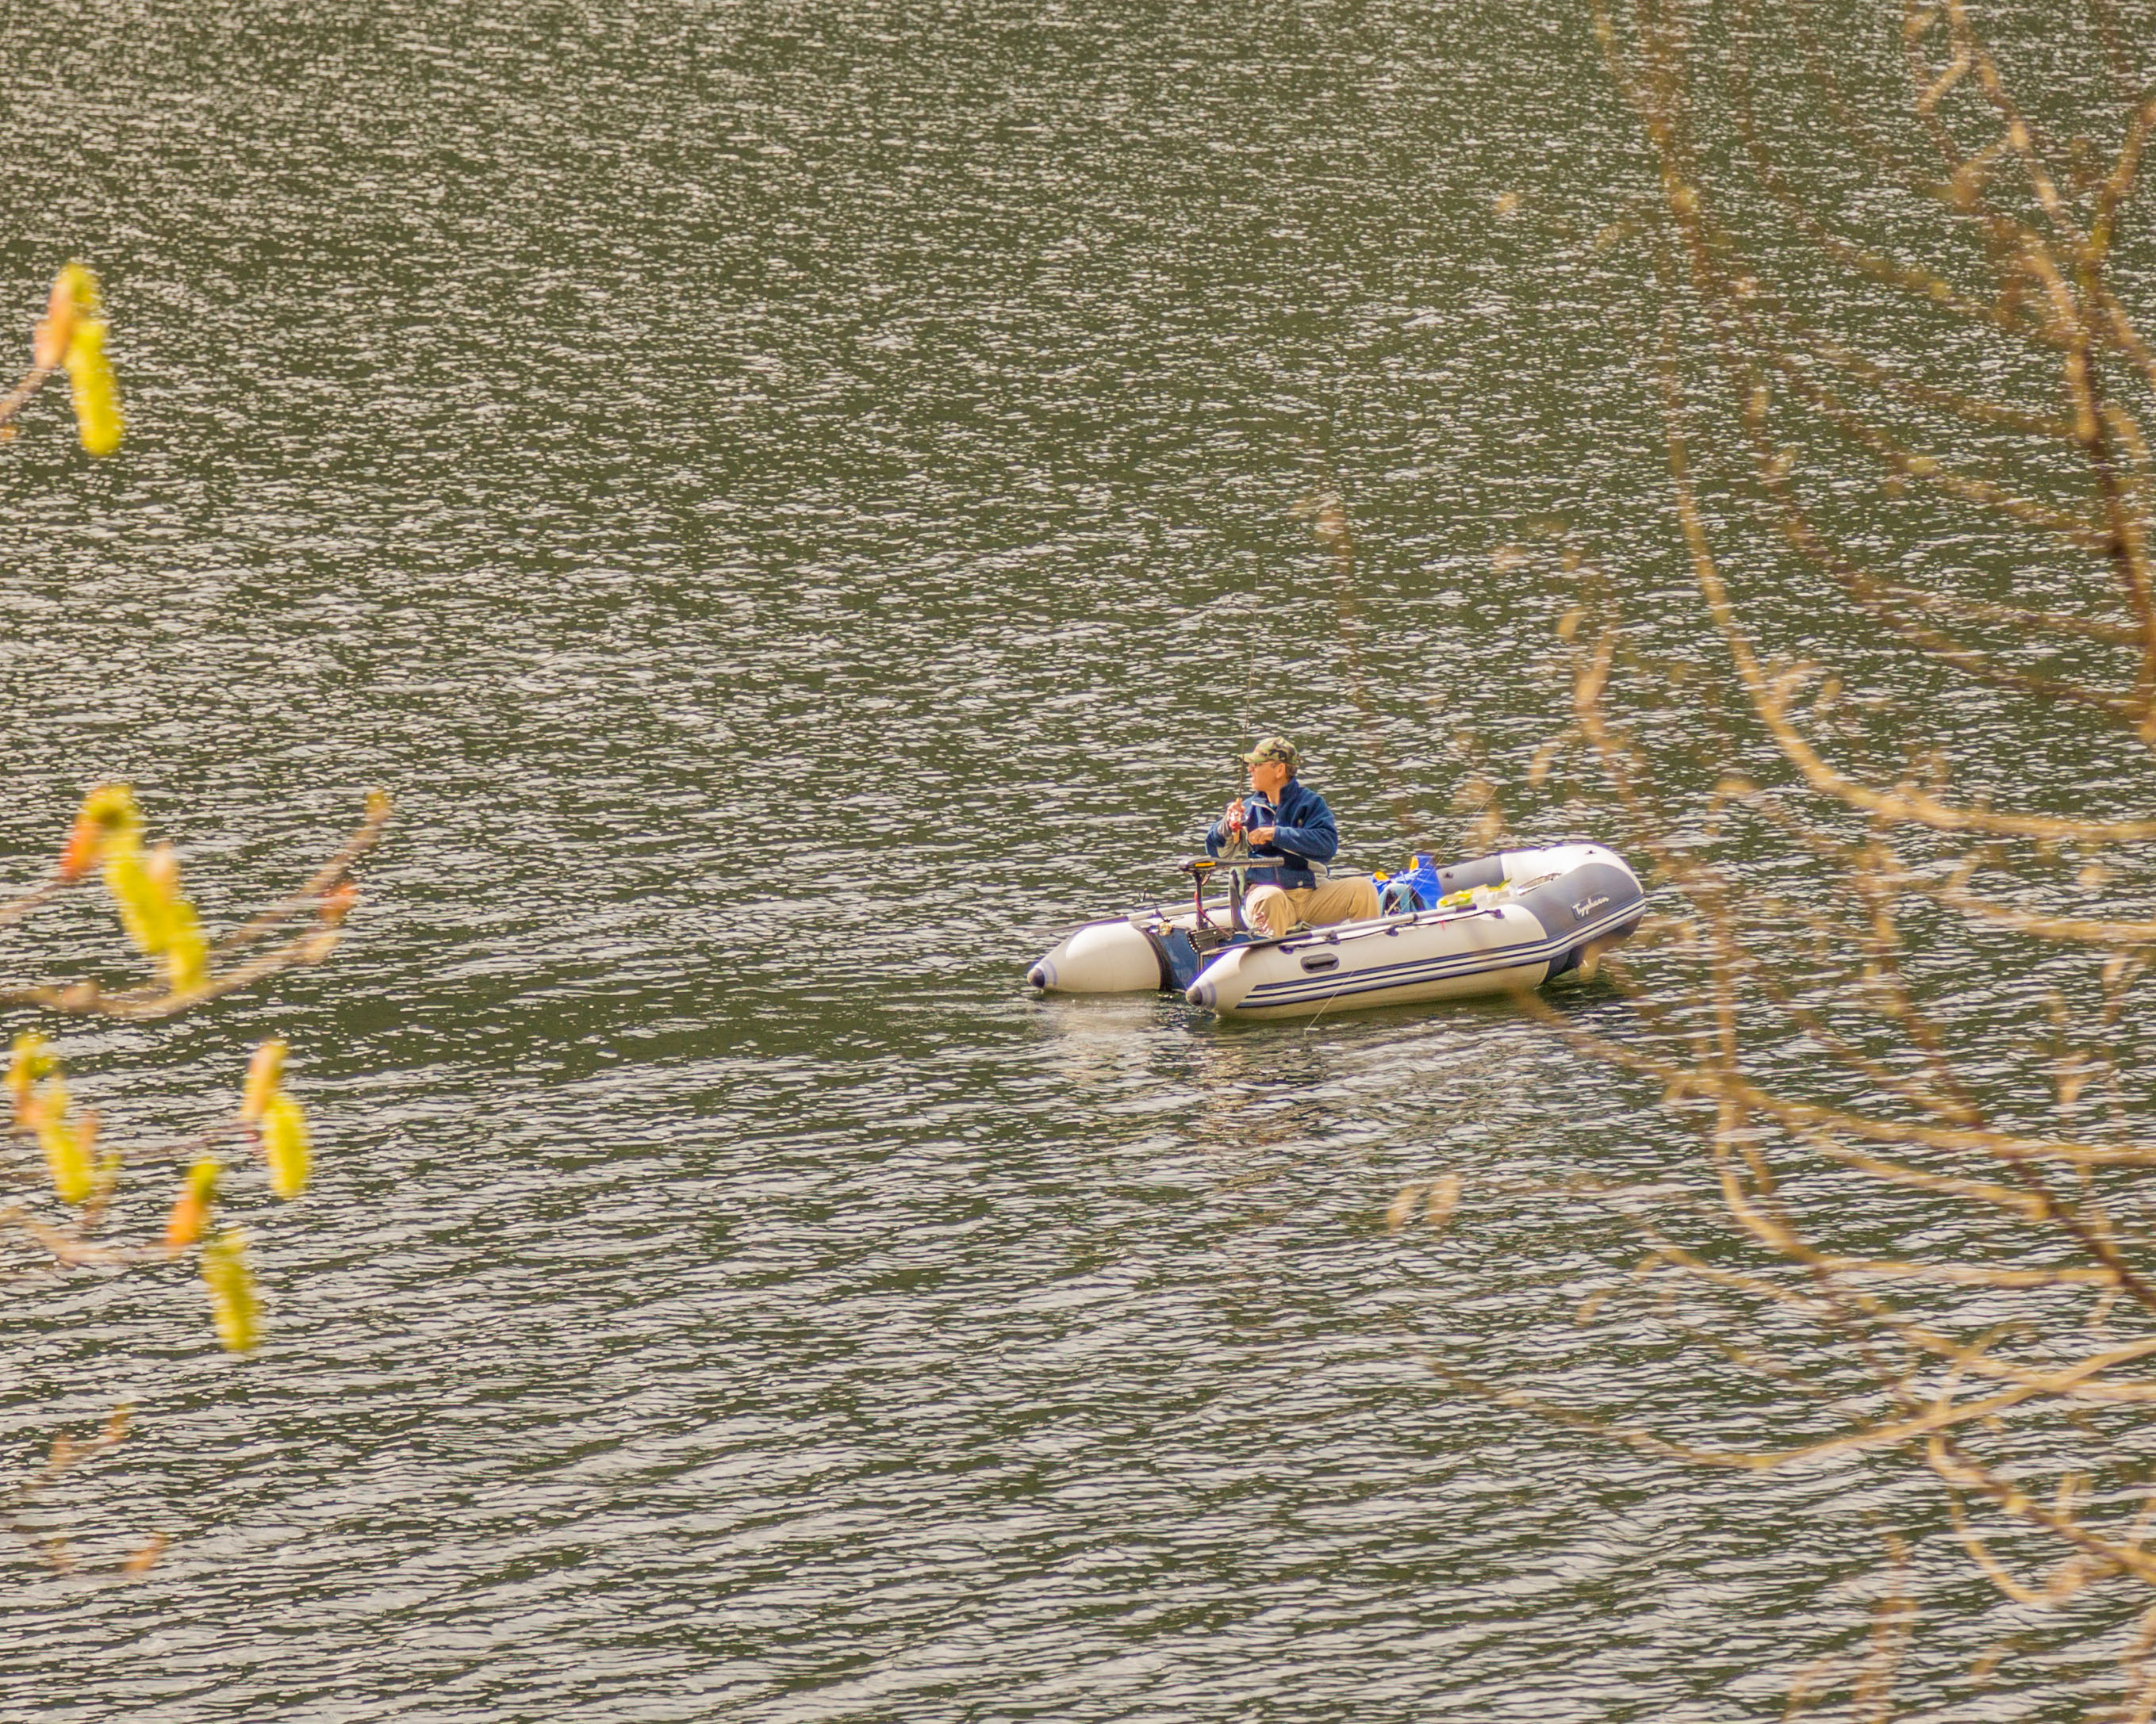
pixel 1289 828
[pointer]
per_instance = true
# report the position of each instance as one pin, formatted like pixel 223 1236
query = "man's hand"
pixel 1263 835
pixel 1231 816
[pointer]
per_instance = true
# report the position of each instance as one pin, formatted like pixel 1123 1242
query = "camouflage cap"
pixel 1277 748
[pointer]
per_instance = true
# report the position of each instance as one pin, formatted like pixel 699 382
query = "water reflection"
pixel 798 506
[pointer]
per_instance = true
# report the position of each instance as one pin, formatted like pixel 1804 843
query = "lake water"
pixel 801 505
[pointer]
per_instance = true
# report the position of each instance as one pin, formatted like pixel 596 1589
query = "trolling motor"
pixel 1197 868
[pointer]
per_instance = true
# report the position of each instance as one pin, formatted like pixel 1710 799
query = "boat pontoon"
pixel 1497 924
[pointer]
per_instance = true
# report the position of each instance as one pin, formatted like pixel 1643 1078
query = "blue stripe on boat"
pixel 1298 990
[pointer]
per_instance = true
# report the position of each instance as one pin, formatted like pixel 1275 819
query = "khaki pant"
pixel 1345 898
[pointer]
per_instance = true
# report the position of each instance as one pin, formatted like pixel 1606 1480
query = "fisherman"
pixel 1289 828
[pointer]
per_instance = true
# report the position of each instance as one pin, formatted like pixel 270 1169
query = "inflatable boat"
pixel 1497 924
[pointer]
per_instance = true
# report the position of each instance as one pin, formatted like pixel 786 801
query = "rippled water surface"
pixel 800 503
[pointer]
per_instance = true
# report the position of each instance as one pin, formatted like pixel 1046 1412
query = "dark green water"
pixel 800 504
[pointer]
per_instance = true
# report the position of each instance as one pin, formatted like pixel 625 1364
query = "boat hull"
pixel 1515 919
pixel 1555 913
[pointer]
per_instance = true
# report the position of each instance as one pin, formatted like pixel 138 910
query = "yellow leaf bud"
pixel 30 1059
pixel 78 282
pixel 96 394
pixel 191 1211
pixel 161 868
pixel 66 1158
pixel 232 1305
pixel 187 953
pixel 284 1143
pixel 166 920
pixel 264 1072
pixel 143 910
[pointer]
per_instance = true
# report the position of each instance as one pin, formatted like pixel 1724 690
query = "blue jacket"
pixel 1305 834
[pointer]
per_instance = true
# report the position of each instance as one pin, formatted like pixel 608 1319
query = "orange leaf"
pixel 81 855
pixel 145 1558
pixel 191 1211
pixel 263 1071
pixel 74 296
pixel 48 341
pixel 186 1224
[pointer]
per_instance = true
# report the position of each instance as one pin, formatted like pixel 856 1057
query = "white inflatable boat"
pixel 1497 924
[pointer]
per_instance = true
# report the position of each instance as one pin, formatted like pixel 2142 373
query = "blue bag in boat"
pixel 1415 888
